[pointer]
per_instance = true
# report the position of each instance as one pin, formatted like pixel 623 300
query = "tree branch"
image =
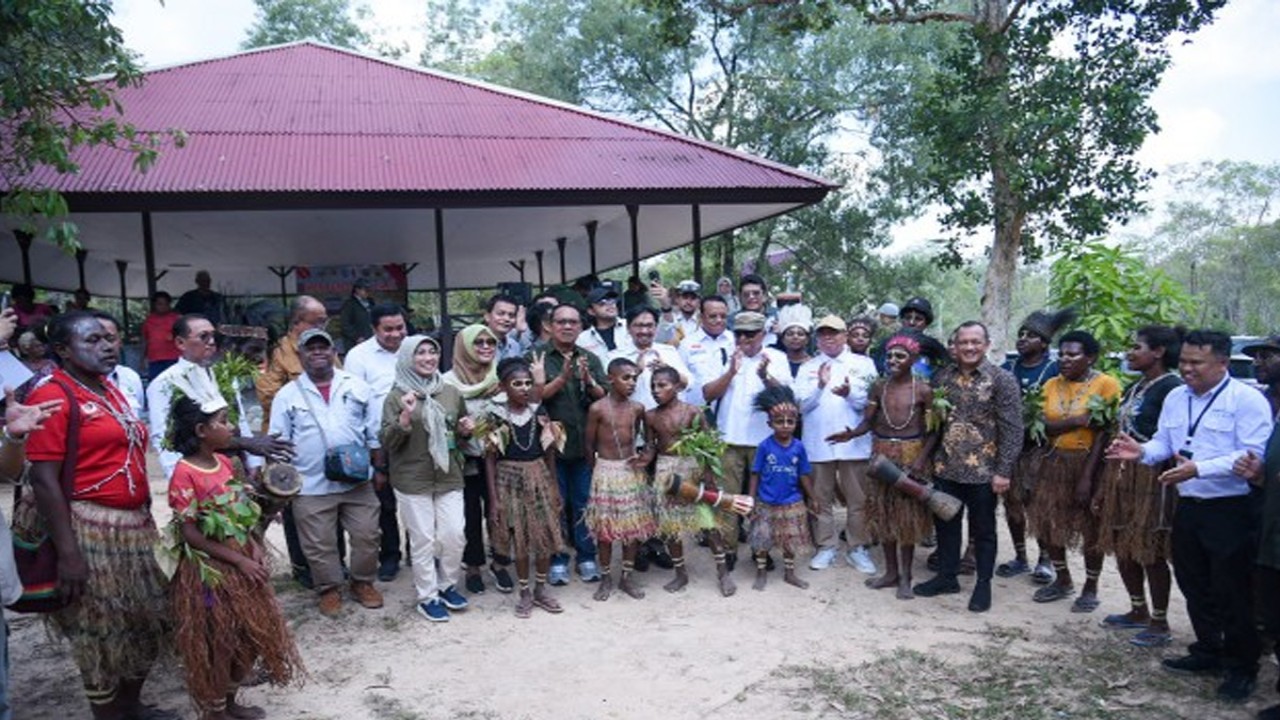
pixel 1013 15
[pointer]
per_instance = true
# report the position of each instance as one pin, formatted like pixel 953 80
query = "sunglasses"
pixel 485 342
pixel 520 384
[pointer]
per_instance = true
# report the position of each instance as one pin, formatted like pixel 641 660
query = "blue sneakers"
pixel 453 599
pixel 589 571
pixel 559 575
pixel 434 611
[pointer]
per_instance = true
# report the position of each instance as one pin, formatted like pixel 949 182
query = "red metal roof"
pixel 306 117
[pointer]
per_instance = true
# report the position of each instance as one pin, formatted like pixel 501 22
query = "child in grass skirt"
pixel 521 475
pixel 780 482
pixel 226 615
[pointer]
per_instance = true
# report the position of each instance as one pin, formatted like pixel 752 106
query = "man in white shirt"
pixel 1205 426
pixel 124 377
pixel 832 389
pixel 606 332
pixel 642 326
pixel 323 409
pixel 680 319
pixel 374 362
pixel 751 368
pixel 197 341
pixel 706 352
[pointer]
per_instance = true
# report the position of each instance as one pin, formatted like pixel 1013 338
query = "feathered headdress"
pixel 772 397
pixel 1047 323
pixel 198 383
pixel 920 344
pixel 797 315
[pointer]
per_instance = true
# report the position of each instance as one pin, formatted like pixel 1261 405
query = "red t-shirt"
pixel 109 471
pixel 192 484
pixel 158 331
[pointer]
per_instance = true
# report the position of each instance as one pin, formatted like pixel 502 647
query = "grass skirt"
pixel 121 622
pixel 675 518
pixel 530 505
pixel 223 632
pixel 892 516
pixel 1053 516
pixel 780 526
pixel 620 508
pixel 1136 520
pixel 1025 474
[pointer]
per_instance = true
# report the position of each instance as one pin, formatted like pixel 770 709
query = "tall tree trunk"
pixel 1002 270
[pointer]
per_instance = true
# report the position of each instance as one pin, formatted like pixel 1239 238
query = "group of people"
pixel 561 430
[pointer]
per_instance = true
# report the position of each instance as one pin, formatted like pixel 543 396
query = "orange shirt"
pixel 1064 399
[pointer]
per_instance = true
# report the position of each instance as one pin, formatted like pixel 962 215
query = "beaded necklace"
pixel 884 407
pixel 119 410
pixel 1066 408
pixel 1133 401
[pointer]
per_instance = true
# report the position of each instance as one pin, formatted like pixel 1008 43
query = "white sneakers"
pixel 823 559
pixel 861 560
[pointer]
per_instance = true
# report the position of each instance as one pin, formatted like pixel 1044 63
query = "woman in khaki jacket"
pixel 422 419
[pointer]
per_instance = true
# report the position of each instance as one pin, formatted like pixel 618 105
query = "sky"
pixel 1219 99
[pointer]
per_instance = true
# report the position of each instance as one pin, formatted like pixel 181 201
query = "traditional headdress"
pixel 772 397
pixel 797 315
pixel 198 384
pixel 1047 323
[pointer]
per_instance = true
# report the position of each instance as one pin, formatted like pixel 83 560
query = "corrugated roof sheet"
pixel 307 117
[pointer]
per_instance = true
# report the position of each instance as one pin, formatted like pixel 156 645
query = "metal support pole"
pixel 697 246
pixel 560 245
pixel 634 212
pixel 542 283
pixel 149 255
pixel 442 284
pixel 283 272
pixel 591 242
pixel 518 266
pixel 81 256
pixel 121 267
pixel 24 244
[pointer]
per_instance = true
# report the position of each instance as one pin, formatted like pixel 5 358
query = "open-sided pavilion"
pixel 308 155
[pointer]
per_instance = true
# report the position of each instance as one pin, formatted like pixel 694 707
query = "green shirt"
pixel 569 406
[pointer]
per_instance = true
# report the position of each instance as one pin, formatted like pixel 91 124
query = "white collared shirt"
pixel 826 413
pixel 376 366
pixel 160 396
pixel 667 355
pixel 739 422
pixel 130 385
pixel 681 327
pixel 348 417
pixel 1237 421
pixel 593 342
pixel 706 357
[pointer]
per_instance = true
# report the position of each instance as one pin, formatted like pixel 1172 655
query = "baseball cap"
pixel 311 334
pixel 748 320
pixel 601 293
pixel 888 309
pixel 688 287
pixel 1271 343
pixel 832 322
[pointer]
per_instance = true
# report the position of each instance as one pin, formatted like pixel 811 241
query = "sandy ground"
pixel 689 655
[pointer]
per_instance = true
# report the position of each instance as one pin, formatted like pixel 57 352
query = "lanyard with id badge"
pixel 1191 429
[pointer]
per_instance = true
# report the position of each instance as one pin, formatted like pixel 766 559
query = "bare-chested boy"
pixel 663 426
pixel 895 414
pixel 619 508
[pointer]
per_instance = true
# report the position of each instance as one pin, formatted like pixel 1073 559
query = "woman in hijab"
pixel 475 375
pixel 421 419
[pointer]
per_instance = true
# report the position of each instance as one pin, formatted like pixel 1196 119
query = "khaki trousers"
pixel 317 517
pixel 737 473
pixel 851 477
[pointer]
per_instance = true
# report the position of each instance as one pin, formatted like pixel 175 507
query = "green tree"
pixel 1116 292
pixel 329 21
pixel 50 107
pixel 1028 127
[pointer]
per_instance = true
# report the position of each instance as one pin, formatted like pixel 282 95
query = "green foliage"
pixel 1219 237
pixel 703 443
pixel 1115 292
pixel 227 517
pixel 329 21
pixel 1103 412
pixel 1033 415
pixel 231 371
pixel 939 410
pixel 50 107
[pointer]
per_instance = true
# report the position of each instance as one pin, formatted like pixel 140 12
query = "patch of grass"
pixel 1072 675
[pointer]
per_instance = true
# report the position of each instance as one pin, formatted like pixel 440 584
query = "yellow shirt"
pixel 1063 399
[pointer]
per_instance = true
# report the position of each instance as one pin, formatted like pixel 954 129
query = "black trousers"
pixel 1214 545
pixel 475 504
pixel 980 502
pixel 1268 587
pixel 389 551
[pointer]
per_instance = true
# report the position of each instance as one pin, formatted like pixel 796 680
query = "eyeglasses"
pixel 752 293
pixel 746 333
pixel 607 301
pixel 485 342
pixel 205 337
pixel 520 384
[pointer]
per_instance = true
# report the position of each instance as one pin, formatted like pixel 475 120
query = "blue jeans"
pixel 575 491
